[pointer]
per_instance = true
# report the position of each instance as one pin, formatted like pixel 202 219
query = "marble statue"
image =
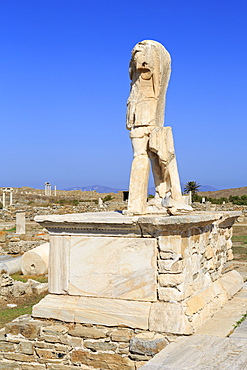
pixel 150 69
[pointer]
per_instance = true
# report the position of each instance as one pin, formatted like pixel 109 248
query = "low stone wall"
pixel 28 344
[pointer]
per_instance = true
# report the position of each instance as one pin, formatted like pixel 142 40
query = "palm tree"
pixel 192 186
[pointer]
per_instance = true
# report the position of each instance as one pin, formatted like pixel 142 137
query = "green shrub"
pixel 107 198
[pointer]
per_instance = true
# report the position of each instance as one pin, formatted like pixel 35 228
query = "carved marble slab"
pixel 110 267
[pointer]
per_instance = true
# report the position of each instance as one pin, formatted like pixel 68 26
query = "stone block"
pixel 167 255
pixel 123 348
pixel 194 304
pixel 112 312
pixel 26 347
pixel 170 294
pixel 195 235
pixel 231 282
pixel 20 357
pixel 56 329
pixel 207 295
pixel 170 280
pixel 123 268
pixel 7 347
pixel 100 346
pixel 56 307
pixel 40 288
pixel 147 344
pixel 62 348
pixel 209 253
pixel 28 328
pixel 185 241
pixel 171 266
pixel 7 365
pixel 44 345
pixel 169 318
pixel 121 335
pixel 86 332
pixel 106 361
pixel 72 341
pixel 170 243
pixel 216 288
pixel 98 311
pixel 48 354
pixel 137 357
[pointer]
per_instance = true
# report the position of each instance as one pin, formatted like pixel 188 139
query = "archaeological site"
pixel 126 280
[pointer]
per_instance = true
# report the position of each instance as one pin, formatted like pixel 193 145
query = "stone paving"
pixel 216 345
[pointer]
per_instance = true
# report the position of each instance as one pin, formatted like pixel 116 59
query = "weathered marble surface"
pixel 59 264
pixel 100 311
pixel 115 223
pixel 169 317
pixel 113 268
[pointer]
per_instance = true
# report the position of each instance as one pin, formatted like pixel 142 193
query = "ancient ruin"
pixel 6 191
pixel 123 286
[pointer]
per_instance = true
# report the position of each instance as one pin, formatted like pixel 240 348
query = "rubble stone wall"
pixel 26 343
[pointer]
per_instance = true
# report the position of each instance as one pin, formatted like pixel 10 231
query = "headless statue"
pixel 150 69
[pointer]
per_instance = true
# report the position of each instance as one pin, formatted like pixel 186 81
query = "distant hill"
pixel 107 189
pixel 224 193
pixel 97 188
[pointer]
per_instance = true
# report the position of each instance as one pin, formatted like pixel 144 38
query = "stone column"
pixel 47 189
pixel 11 197
pixel 190 197
pixel 20 222
pixel 55 191
pixel 4 204
pixel 100 203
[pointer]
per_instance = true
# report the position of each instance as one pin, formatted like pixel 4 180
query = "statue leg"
pixel 139 176
pixel 162 155
pixel 161 180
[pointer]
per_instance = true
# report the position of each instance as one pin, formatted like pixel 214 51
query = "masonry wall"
pixel 194 276
pixel 28 344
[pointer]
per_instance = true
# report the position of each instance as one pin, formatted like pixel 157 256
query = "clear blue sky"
pixel 64 84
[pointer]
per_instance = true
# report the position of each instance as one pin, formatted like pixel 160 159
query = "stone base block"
pixel 165 317
pixel 99 311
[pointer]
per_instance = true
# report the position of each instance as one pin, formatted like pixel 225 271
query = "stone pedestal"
pixel 155 273
pixel 20 222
